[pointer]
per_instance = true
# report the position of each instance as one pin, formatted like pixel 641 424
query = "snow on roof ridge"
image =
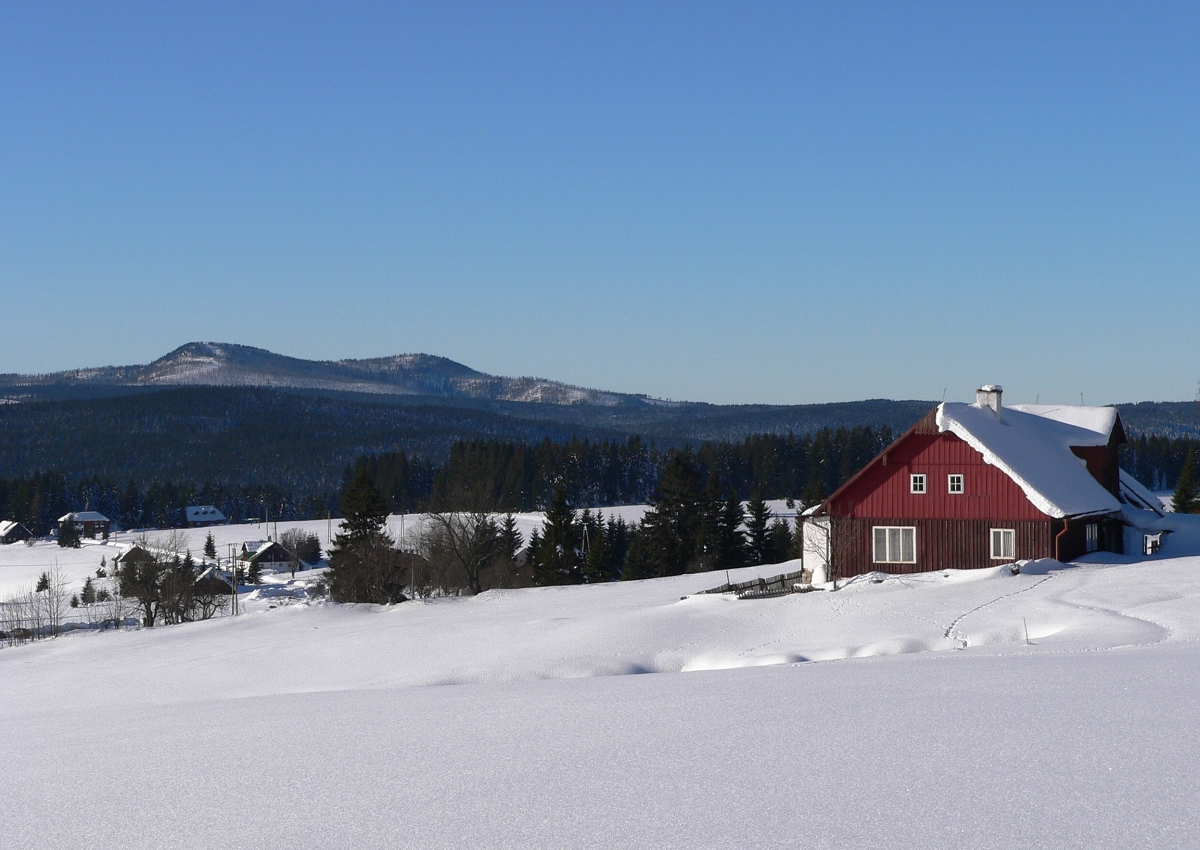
pixel 1099 420
pixel 1036 454
pixel 84 516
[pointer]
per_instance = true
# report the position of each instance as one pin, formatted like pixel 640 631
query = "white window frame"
pixel 1092 537
pixel 956 478
pixel 1003 535
pixel 894 544
pixel 918 482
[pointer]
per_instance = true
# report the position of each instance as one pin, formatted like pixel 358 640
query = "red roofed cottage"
pixel 976 485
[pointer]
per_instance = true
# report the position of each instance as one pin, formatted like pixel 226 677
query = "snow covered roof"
pixel 203 513
pixel 267 550
pixel 84 516
pixel 1138 496
pixel 7 525
pixel 1032 444
pixel 1098 420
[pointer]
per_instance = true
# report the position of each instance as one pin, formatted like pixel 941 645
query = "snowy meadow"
pixel 1054 707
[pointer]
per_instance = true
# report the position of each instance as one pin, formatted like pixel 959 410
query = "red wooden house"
pixel 976 485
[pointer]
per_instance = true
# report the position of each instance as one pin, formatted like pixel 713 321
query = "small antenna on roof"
pixel 1037 398
pixel 944 395
pixel 1081 399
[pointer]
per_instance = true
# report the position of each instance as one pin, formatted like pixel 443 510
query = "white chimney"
pixel 989 396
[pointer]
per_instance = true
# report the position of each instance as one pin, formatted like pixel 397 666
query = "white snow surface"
pixel 1098 420
pixel 1034 449
pixel 1059 707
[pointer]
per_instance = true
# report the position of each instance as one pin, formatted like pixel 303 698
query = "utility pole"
pixel 233 580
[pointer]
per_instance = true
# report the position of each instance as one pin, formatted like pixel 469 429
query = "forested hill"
pixel 142 457
pixel 303 441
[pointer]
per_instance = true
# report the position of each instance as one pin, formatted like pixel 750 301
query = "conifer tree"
pixel 758 525
pixel 672 525
pixel 1187 490
pixel 616 543
pixel 558 559
pixel 510 538
pixel 797 548
pixel 88 595
pixel 779 541
pixel 709 543
pixel 814 492
pixel 596 566
pixel 364 565
pixel 68 534
pixel 731 541
pixel 210 547
pixel 363 510
pixel 532 551
pixel 638 563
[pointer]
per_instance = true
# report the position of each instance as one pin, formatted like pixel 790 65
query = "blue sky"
pixel 720 202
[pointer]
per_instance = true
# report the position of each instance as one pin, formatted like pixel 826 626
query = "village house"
pixel 977 485
pixel 135 554
pixel 87 523
pixel 265 553
pixel 13 532
pixel 202 516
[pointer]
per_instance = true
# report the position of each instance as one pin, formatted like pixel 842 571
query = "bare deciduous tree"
pixel 465 541
pixel 833 541
pixel 302 546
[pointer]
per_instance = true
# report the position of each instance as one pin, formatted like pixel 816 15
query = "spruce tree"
pixel 364 565
pixel 731 541
pixel 797 550
pixel 814 492
pixel 559 560
pixel 210 547
pixel 1187 490
pixel 672 525
pixel 758 526
pixel 638 561
pixel 779 541
pixel 596 566
pixel 88 595
pixel 364 512
pixel 709 545
pixel 68 534
pixel 616 544
pixel 510 538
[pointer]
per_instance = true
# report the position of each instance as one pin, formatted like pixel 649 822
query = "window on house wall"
pixel 894 544
pixel 955 484
pixel 1093 536
pixel 916 482
pixel 1004 544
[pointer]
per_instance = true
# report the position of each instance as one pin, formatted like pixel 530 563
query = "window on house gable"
pixel 1004 544
pixel 894 544
pixel 955 483
pixel 916 482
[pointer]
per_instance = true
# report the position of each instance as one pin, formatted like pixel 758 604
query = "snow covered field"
pixel 906 712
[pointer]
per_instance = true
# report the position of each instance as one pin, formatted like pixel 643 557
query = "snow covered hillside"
pixel 1057 707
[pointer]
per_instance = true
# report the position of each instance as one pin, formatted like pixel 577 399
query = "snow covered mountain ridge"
pixel 229 365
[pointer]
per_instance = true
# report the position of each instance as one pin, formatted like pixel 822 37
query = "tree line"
pixel 504 475
pixel 696 521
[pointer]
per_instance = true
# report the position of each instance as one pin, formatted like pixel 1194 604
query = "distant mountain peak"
pixel 229 364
